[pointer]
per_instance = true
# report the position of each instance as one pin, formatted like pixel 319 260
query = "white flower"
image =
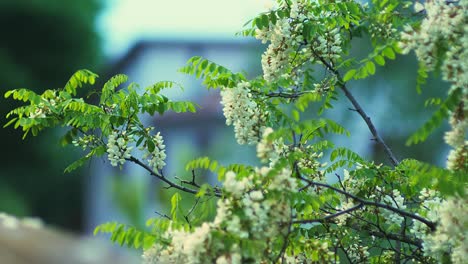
pixel 418 7
pixel 117 148
pixel 270 150
pixel 329 45
pixel 275 59
pixel 243 113
pixel 256 195
pixel 397 201
pixel 450 235
pixel 158 155
pixel 444 25
pixel 234 186
pixel 283 181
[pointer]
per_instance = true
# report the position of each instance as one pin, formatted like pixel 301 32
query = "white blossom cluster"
pixel 276 58
pixel 233 186
pixel 42 109
pixel 117 148
pixel 456 138
pixel 445 29
pixel 324 253
pixel 329 45
pixel 243 113
pixel 356 252
pixel 85 141
pixel 247 212
pixel 451 233
pixel 430 206
pixel 345 205
pixel 286 38
pixel 270 150
pixel 395 200
pixel 186 247
pixel 445 22
pixel 309 161
pixel 383 30
pixel 158 156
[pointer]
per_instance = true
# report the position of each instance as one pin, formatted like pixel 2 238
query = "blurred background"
pixel 43 42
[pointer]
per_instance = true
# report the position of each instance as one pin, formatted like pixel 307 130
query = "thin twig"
pixel 328 217
pixel 164 179
pixel 359 109
pixel 370 125
pixel 163 215
pixel 430 224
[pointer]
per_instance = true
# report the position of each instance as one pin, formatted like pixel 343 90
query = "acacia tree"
pixel 299 207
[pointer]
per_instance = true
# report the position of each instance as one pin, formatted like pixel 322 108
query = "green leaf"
pixel 379 60
pixel 295 114
pixel 350 74
pixel 437 118
pixel 388 52
pixel 370 67
pixel 175 207
pixel 124 234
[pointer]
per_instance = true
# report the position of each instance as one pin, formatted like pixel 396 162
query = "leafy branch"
pixel 171 184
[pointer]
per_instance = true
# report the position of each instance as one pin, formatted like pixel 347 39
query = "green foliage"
pixel 437 118
pixel 96 152
pixel 213 75
pixel 348 159
pixel 129 236
pixel 423 175
pixel 117 107
pixel 212 165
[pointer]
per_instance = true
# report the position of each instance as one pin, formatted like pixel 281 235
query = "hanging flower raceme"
pixel 270 150
pixel 450 236
pixel 243 113
pixel 158 155
pixel 247 212
pixel 458 156
pixel 275 58
pixel 117 148
pixel 329 45
pixel 443 30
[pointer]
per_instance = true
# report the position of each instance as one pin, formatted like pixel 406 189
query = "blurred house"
pixel 187 135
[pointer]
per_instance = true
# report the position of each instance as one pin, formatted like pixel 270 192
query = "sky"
pixel 124 22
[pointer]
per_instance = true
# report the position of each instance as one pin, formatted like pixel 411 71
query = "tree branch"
pixel 328 217
pixel 370 125
pixel 164 179
pixel 430 224
pixel 359 109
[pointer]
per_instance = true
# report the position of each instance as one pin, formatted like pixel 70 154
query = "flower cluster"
pixel 249 211
pixel 270 150
pixel 243 113
pixel 287 41
pixel 42 109
pixel 430 205
pixel 275 59
pixel 158 155
pixel 117 148
pixel 87 141
pixel 443 29
pixel 395 200
pixel 458 156
pixel 329 45
pixel 450 236
pixel 186 247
